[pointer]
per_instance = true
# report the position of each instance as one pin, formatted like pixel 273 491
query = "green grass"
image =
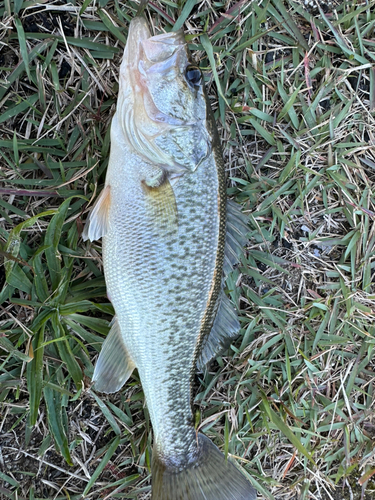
pixel 293 91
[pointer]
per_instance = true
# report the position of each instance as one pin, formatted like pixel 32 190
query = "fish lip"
pixel 138 44
pixel 138 32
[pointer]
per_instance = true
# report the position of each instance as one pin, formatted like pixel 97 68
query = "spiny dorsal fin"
pixel 236 236
pixel 225 329
pixel 97 222
pixel 226 325
pixel 114 365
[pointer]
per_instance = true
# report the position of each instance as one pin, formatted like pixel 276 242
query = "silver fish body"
pixel 163 219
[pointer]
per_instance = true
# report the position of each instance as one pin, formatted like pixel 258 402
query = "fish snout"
pixel 137 34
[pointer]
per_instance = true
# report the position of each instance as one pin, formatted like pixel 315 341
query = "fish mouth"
pixel 138 33
pixel 145 57
pixel 141 46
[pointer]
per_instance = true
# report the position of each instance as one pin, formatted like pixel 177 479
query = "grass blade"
pixel 108 415
pixel 53 401
pixel 51 240
pixel 103 462
pixel 23 47
pixel 35 375
pixel 282 426
pixel 188 7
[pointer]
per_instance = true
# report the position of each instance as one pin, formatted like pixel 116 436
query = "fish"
pixel 170 236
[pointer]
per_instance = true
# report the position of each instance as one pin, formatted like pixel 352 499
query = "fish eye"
pixel 193 76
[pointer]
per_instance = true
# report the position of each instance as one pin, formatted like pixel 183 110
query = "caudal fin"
pixel 210 477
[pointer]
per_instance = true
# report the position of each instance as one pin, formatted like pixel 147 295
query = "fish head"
pixel 162 103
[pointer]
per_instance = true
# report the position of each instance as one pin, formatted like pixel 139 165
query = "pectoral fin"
pixel 97 222
pixel 114 365
pixel 161 204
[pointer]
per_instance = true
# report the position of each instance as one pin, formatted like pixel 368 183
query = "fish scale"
pixel 163 218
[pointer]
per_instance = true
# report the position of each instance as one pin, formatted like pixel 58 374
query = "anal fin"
pixel 97 222
pixel 114 365
pixel 224 330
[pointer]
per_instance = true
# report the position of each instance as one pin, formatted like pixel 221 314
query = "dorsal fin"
pixel 236 236
pixel 225 329
pixel 97 221
pixel 226 325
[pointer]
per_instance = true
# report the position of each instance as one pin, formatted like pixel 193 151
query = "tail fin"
pixel 210 477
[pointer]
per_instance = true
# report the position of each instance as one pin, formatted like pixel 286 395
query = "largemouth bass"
pixel 168 236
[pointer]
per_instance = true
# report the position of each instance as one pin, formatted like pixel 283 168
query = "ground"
pixel 292 86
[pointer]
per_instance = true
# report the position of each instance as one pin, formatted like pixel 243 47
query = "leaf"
pixel 120 414
pixel 103 462
pixel 282 426
pixel 210 54
pixel 263 132
pixel 55 421
pixel 77 307
pixel 65 351
pixel 52 239
pixel 14 239
pixel 40 282
pixel 288 106
pixel 188 7
pixel 10 480
pixel 84 6
pixel 23 47
pixel 19 108
pixel 20 68
pixel 17 6
pixel 108 415
pixel 90 338
pixel 341 41
pixel 18 279
pixel 97 324
pixel 107 21
pixel 35 375
pixel 7 345
pixel 366 476
pixel 291 25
